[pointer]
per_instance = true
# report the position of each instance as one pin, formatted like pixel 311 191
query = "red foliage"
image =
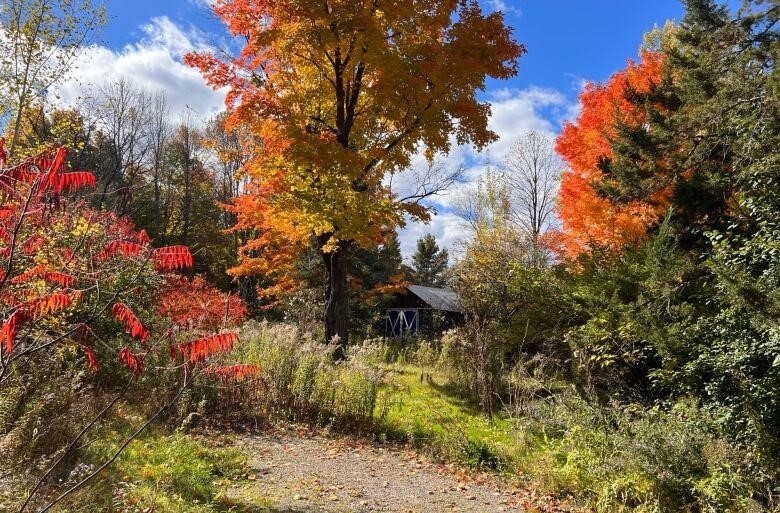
pixel 133 362
pixel 123 247
pixel 10 326
pixel 590 220
pixel 196 304
pixel 74 180
pixel 50 248
pixel 170 258
pixel 92 361
pixel 237 372
pixel 135 328
pixel 33 244
pixel 48 172
pixel 198 350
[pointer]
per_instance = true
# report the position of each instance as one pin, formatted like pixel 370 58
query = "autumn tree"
pixel 41 129
pixel 673 164
pixel 510 304
pixel 39 41
pixel 718 139
pixel 429 262
pixel 590 220
pixel 125 116
pixel 227 150
pixel 197 304
pixel 342 95
pixel 375 274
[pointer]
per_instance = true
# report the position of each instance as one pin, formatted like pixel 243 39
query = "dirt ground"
pixel 301 472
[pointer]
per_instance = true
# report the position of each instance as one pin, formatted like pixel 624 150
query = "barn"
pixel 422 310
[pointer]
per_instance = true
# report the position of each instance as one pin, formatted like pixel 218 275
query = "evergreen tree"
pixel 697 311
pixel 430 263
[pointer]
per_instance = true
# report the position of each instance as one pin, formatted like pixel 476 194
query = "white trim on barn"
pixel 420 309
pixel 401 322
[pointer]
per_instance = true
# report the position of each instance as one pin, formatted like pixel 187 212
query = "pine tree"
pixel 430 263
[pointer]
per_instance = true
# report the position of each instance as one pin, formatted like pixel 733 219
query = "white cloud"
pixel 500 5
pixel 513 112
pixel 154 63
pixel 449 229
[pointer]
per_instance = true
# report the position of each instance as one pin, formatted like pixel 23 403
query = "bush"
pixel 632 458
pixel 300 381
pixel 482 455
pixel 457 362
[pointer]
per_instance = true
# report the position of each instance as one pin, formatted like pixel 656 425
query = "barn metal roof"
pixel 445 300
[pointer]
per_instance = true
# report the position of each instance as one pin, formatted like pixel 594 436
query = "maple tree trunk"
pixel 336 297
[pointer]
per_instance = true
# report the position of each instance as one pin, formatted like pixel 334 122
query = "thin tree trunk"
pixel 336 296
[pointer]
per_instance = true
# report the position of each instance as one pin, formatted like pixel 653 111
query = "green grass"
pixel 423 410
pixel 174 473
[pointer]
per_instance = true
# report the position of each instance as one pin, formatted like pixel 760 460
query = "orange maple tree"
pixel 589 219
pixel 340 95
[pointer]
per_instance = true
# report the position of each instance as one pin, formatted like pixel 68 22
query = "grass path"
pixel 396 466
pixel 423 411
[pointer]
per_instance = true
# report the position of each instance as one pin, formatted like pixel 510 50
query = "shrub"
pixel 77 294
pixel 633 458
pixel 300 381
pixel 482 455
pixel 197 304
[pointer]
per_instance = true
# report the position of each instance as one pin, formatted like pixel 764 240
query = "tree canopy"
pixel 341 94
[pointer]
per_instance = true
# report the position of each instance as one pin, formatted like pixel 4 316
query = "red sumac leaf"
pixel 125 315
pixel 133 362
pixel 92 361
pixel 198 350
pixel 9 329
pixel 171 258
pixel 74 180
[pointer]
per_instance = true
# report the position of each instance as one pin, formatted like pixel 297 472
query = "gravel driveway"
pixel 293 472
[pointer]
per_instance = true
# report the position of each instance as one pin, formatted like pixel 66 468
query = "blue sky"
pixel 569 42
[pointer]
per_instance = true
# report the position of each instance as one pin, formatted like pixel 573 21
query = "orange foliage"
pixel 43 272
pixel 46 305
pixel 238 372
pixel 396 284
pixel 197 305
pixel 338 96
pixel 590 220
